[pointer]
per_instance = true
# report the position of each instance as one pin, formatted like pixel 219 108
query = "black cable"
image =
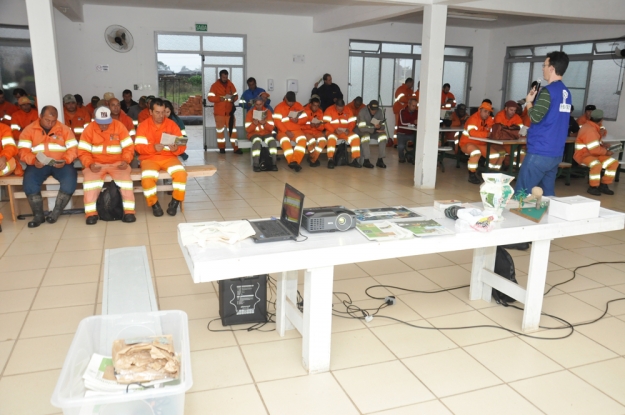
pixel 582 266
pixel 302 240
pixel 409 290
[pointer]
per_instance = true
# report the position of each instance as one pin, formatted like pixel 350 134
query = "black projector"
pixel 328 219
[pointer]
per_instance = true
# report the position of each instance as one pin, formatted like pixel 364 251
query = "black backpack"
pixel 110 206
pixel 265 162
pixel 340 155
pixel 504 266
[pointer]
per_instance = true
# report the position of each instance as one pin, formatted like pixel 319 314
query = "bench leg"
pixel 287 294
pixel 12 202
pixel 483 258
pixel 537 275
pixel 317 335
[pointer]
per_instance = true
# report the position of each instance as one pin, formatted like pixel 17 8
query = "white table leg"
pixel 483 258
pixel 317 336
pixel 286 288
pixel 536 277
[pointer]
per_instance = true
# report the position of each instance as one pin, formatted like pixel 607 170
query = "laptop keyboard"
pixel 273 228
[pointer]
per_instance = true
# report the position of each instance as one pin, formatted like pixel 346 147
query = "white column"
pixel 45 57
pixel 432 57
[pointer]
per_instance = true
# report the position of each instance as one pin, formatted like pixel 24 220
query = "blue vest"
pixel 548 137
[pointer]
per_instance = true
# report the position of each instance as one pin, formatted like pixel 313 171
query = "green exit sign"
pixel 201 27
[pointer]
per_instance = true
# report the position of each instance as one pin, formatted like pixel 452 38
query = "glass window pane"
pixel 355 77
pixel 16 69
pixel 236 76
pixel 371 79
pixel 449 51
pixel 520 52
pixel 179 42
pixel 222 44
pixel 210 76
pixel 604 85
pixel 544 50
pixel 396 48
pixel 608 47
pixel 387 87
pixel 417 73
pixel 223 60
pixel 577 49
pixel 416 49
pixel 518 76
pixel 576 75
pixel 577 96
pixel 455 74
pixel 14 32
pixel 363 46
pixel 537 73
pixel 403 70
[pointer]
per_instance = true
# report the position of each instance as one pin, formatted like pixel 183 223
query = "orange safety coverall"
pixel 284 124
pixel 59 144
pixel 108 149
pixel 20 120
pixel 583 120
pixel 353 109
pixel 222 111
pixel 77 121
pixel 143 115
pixel 476 127
pixel 259 133
pixel 128 123
pixel 445 97
pixel 501 118
pixel 345 120
pixel 314 133
pixel 589 152
pixel 456 122
pixel 402 96
pixel 8 150
pixel 152 161
pixel 90 109
pixel 6 110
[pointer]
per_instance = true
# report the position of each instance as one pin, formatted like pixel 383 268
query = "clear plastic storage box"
pixel 96 335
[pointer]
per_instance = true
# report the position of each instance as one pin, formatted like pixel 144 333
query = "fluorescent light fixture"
pixel 472 16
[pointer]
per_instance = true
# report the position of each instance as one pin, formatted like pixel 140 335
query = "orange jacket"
pixel 312 115
pixel 282 120
pixel 6 110
pixel 335 120
pixel 501 118
pixel 353 109
pixel 89 109
pixel 476 127
pixel 143 115
pixel 260 129
pixel 105 147
pixel 583 120
pixel 526 118
pixel 59 144
pixel 457 121
pixel 588 142
pixel 149 134
pixel 77 121
pixel 219 90
pixel 20 120
pixel 445 97
pixel 402 96
pixel 8 149
pixel 128 123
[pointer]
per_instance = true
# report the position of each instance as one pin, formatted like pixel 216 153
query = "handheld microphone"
pixel 537 89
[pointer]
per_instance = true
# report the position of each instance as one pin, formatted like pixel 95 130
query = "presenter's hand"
pixel 529 99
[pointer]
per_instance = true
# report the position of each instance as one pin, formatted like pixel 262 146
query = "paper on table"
pixel 206 232
pixel 383 231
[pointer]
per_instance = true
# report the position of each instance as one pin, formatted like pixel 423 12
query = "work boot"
pixel 172 208
pixel 594 191
pixel 293 165
pixel 92 220
pixel 222 150
pixel 603 188
pixel 36 204
pixel 330 164
pixel 402 160
pixel 355 164
pixel 238 151
pixel 256 169
pixel 129 218
pixel 157 210
pixel 380 163
pixel 367 164
pixel 315 163
pixel 62 199
pixel 473 178
pixel 274 168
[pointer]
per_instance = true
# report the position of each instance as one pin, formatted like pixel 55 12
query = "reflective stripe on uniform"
pixel 126 142
pixel 114 150
pixel 24 144
pixel 90 207
pixel 128 204
pixel 607 163
pixel 149 192
pixel 149 174
pixel 92 184
pixel 178 186
pixel 8 141
pixel 124 184
pixel 141 140
pixel 592 144
pixel 173 169
pixel 71 143
pixel 83 145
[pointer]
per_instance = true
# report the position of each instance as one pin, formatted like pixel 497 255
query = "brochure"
pixel 47 161
pixel 170 140
pixel 391 213
pixel 425 228
pixel 383 231
pixel 259 115
pixel 295 114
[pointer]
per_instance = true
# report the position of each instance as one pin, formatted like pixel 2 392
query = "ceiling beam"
pixel 355 16
pixel 72 9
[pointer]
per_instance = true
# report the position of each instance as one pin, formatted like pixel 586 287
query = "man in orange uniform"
pixel 106 148
pixel 402 95
pixel 155 156
pixel 22 117
pixel 591 152
pixel 314 131
pixel 75 118
pixel 289 117
pixel 585 117
pixel 8 151
pixel 6 109
pixel 145 113
pixel 259 131
pixel 479 125
pixel 91 106
pixel 119 115
pixel 508 118
pixel 448 100
pixel 48 137
pixel 224 94
pixel 458 118
pixel 340 124
pixel 356 105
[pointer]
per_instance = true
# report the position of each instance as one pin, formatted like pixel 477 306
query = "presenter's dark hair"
pixel 559 61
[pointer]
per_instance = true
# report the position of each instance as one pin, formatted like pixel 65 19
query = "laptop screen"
pixel 292 208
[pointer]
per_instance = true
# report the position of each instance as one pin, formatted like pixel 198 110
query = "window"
pixel 593 76
pixel 16 61
pixel 377 69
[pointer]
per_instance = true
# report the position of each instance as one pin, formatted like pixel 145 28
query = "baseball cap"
pixel 23 100
pixel 511 104
pixel 103 115
pixel 373 104
pixel 108 95
pixel 487 106
pixel 69 98
pixel 597 114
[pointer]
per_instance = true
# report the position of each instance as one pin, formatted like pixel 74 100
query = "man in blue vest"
pixel 247 99
pixel 550 125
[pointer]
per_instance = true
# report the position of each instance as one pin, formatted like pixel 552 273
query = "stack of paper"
pixel 383 231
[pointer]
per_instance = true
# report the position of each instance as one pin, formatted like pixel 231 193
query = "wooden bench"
pixel 564 168
pixel 135 175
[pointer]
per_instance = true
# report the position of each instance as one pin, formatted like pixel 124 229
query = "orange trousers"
pixel 149 176
pixel 93 185
pixel 221 124
pixel 596 164
pixel 316 141
pixel 475 151
pixel 353 140
pixel 290 154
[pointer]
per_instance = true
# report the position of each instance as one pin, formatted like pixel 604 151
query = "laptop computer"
pixel 287 227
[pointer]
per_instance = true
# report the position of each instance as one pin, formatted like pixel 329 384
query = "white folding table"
pixel 321 252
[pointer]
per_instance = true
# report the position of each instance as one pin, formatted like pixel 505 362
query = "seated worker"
pixel 356 105
pixel 266 101
pixel 402 94
pixel 407 118
pixel 20 92
pixel 290 129
pixel 592 153
pixel 23 117
pixel 259 131
pixel 458 118
pixel 583 119
pixel 50 138
pixel 367 130
pixel 106 148
pixel 127 101
pixel 314 131
pixel 155 157
pixel 250 94
pixel 170 113
pixel 92 105
pixel 479 125
pixel 573 125
pixel 448 100
pixel 118 115
pixel 8 153
pixel 145 113
pixel 135 110
pixel 507 118
pixel 6 110
pixel 75 118
pixel 107 97
pixel 340 124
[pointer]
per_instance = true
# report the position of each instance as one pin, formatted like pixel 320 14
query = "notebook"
pixel 287 227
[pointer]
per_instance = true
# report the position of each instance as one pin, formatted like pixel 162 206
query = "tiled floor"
pixel 50 278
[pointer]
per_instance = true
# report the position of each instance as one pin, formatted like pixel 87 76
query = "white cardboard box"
pixel 574 208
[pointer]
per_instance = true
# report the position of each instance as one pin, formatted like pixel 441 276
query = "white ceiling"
pixel 503 20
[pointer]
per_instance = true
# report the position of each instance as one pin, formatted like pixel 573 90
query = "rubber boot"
pixel 62 199
pixel 172 208
pixel 603 188
pixel 36 204
pixel 594 191
pixel 473 178
pixel 367 164
pixel 380 163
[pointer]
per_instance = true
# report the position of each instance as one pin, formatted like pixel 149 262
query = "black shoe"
pixel 330 164
pixel 92 220
pixel 594 191
pixel 402 160
pixel 238 151
pixel 62 199
pixel 603 188
pixel 315 164
pixel 172 208
pixel 274 168
pixel 222 150
pixel 473 178
pixel 293 165
pixel 129 218
pixel 355 164
pixel 367 164
pixel 157 210
pixel 184 156
pixel 36 204
pixel 380 163
pixel 256 169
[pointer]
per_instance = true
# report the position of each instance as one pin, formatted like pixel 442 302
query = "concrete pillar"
pixel 45 56
pixel 432 58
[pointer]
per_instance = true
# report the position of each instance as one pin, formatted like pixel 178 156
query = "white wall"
pixel 271 43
